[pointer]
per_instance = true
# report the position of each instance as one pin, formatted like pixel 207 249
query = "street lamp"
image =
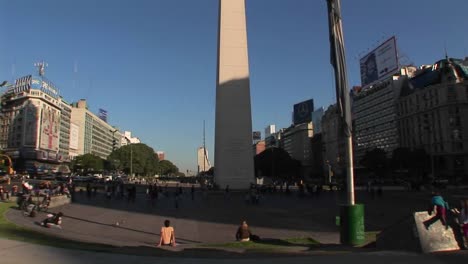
pixel 131 156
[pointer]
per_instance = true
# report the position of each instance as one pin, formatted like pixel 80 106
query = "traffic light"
pixel 114 144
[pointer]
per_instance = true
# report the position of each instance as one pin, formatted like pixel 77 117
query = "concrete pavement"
pixel 14 252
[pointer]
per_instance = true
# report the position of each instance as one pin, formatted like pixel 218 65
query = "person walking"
pixel 167 235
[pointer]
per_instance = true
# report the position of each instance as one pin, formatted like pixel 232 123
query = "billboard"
pixel 74 134
pixel 31 116
pixel 379 63
pixel 50 128
pixel 257 135
pixel 303 112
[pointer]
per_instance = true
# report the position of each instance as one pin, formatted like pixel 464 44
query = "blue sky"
pixel 152 64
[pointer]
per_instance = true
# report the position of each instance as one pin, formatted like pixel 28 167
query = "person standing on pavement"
pixel 167 235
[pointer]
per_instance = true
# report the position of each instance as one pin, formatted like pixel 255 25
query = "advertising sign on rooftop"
pixel 379 63
pixel 303 112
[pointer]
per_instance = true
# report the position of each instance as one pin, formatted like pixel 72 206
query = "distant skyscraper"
pixel 202 158
pixel 270 130
pixel 317 120
pixel 233 129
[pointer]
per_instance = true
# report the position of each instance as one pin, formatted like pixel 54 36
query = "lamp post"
pixel 131 156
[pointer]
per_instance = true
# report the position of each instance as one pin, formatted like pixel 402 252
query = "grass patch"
pixel 11 231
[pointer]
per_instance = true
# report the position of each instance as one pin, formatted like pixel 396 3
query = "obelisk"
pixel 234 164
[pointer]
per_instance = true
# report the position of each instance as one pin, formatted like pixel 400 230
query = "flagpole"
pixel 338 61
pixel 351 215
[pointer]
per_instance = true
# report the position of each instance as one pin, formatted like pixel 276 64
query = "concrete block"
pixel 436 238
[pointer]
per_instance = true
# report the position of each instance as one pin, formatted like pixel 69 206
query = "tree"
pixel 139 158
pixel 277 164
pixel 87 163
pixel 376 161
pixel 420 162
pixel 167 168
pixel 401 158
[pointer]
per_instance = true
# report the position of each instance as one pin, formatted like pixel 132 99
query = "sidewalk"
pixel 14 252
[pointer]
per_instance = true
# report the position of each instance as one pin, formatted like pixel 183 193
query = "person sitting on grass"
pixel 167 235
pixel 53 220
pixel 243 232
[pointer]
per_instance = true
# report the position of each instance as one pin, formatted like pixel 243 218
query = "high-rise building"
pixel 90 134
pixel 202 160
pixel 270 130
pixel 333 142
pixel 127 138
pixel 432 113
pixel 375 115
pixel 317 119
pixel 296 140
pixel 34 125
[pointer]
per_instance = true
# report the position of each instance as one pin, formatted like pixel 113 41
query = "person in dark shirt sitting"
pixel 243 232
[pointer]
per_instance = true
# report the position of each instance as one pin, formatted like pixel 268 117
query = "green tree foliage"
pixel 87 163
pixel 401 159
pixel 417 162
pixel 277 164
pixel 138 157
pixel 376 161
pixel 167 168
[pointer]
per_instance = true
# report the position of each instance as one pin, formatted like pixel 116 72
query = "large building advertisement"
pixel 379 63
pixel 50 129
pixel 74 134
pixel 31 116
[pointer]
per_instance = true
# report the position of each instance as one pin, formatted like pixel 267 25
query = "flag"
pixel 338 61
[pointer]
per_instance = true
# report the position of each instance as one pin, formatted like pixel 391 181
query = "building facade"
pixel 333 144
pixel 91 134
pixel 258 147
pixel 34 121
pixel 432 111
pixel 202 160
pixel 296 140
pixel 127 138
pixel 375 115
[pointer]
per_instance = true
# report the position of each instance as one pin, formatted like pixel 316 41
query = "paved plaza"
pixel 214 217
